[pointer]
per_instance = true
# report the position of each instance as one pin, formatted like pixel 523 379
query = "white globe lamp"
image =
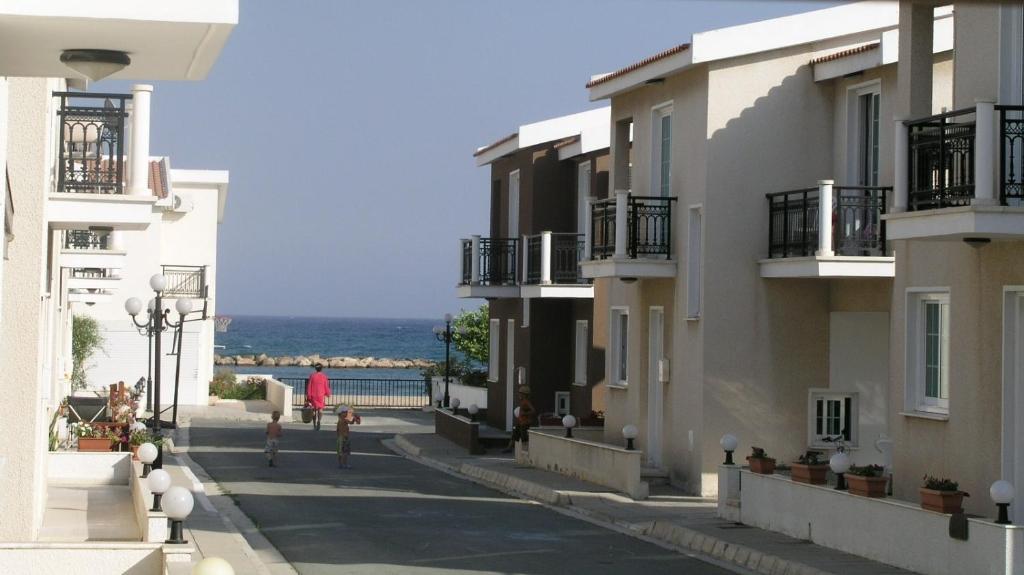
pixel 629 433
pixel 213 566
pixel 729 444
pixel 840 463
pixel 178 503
pixel 1001 493
pixel 159 481
pixel 158 282
pixel 133 306
pixel 569 422
pixel 473 410
pixel 183 306
pixel 455 403
pixel 147 455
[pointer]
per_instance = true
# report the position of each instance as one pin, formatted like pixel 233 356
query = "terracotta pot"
pixel 93 444
pixel 812 474
pixel 135 452
pixel 762 465
pixel 867 486
pixel 942 501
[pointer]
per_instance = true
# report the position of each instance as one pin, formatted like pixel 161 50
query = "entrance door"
pixel 510 372
pixel 655 387
pixel 1013 394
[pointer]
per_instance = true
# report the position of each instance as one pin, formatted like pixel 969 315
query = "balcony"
pixel 551 261
pixel 91 168
pixel 88 249
pixel 92 279
pixel 489 268
pixel 629 237
pixel 185 282
pixel 847 240
pixel 960 176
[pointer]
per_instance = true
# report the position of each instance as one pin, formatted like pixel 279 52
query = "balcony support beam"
pixel 985 154
pixel 138 158
pixel 474 260
pixel 545 258
pixel 621 223
pixel 825 218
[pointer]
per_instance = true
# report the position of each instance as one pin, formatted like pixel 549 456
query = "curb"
pixel 718 552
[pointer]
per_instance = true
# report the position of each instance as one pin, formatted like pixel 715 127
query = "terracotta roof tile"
pixel 158 178
pixel 845 53
pixel 637 65
pixel 567 142
pixel 490 147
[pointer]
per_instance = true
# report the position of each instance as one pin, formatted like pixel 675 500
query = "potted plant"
pixel 942 495
pixel 809 468
pixel 760 462
pixel 867 480
pixel 138 437
pixel 92 438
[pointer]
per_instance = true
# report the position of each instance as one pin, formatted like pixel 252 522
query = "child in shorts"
pixel 274 432
pixel 346 417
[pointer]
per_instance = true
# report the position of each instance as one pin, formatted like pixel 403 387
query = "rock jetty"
pixel 310 360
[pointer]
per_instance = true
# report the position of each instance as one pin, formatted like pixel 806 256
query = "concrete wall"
pixel 85 468
pixel 280 396
pixel 467 394
pixel 58 558
pixel 599 463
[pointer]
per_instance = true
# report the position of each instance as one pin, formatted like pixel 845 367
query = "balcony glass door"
pixel 582 193
pixel 513 205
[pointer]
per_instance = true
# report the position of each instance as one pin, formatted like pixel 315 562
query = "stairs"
pixel 654 476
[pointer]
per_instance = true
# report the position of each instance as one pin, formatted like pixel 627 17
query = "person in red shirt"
pixel 317 391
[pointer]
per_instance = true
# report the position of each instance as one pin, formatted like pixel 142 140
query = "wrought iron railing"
pixel 1011 154
pixel 367 392
pixel 92 273
pixel 602 229
pixel 467 262
pixel 498 259
pixel 86 240
pixel 92 151
pixel 648 225
pixel 185 281
pixel 566 254
pixel 857 226
pixel 941 160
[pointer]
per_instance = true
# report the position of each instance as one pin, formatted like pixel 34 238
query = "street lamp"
pixel 158 482
pixel 178 503
pixel 456 402
pixel 447 335
pixel 473 410
pixel 183 307
pixel 153 326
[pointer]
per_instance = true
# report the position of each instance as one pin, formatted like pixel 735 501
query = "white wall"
pixel 859 363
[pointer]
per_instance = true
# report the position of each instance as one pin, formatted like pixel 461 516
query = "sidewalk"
pixel 667 516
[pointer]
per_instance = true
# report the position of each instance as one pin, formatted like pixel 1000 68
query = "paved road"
pixel 391 515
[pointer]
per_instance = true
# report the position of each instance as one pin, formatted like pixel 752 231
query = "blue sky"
pixel 349 127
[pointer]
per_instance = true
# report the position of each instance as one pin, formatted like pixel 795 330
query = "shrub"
pixel 866 470
pixel 222 381
pixel 86 339
pixel 943 484
pixel 225 385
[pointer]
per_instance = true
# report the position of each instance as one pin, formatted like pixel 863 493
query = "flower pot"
pixel 93 444
pixel 762 465
pixel 135 452
pixel 867 486
pixel 811 474
pixel 942 501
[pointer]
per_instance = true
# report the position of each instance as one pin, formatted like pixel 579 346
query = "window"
pixel 661 156
pixel 582 345
pixel 864 104
pixel 493 353
pixel 619 346
pixel 831 414
pixel 927 378
pixel 694 256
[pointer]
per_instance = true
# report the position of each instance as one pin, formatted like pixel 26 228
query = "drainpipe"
pixel 984 154
pixel 901 167
pixel 474 260
pixel 825 218
pixel 621 223
pixel 545 258
pixel 588 229
pixel 138 159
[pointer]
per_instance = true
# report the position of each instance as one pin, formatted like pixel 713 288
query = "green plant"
pixel 226 386
pixel 810 458
pixel 223 380
pixel 866 470
pixel 473 336
pixel 143 436
pixel 86 339
pixel 758 453
pixel 943 484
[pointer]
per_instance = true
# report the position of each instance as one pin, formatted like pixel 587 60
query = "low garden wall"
pixel 88 468
pixel 458 429
pixel 279 395
pixel 467 394
pixel 891 531
pixel 593 461
pixel 90 557
pixel 152 524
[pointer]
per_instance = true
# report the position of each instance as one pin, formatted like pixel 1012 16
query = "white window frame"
pixel 513 204
pixel 559 396
pixel 658 186
pixel 854 122
pixel 694 262
pixel 915 400
pixel 494 350
pixel 814 395
pixel 616 342
pixel 584 174
pixel 580 356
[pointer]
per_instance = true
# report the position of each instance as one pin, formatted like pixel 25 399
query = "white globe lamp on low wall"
pixel 213 566
pixel 178 503
pixel 629 433
pixel 159 481
pixel 1001 493
pixel 147 455
pixel 729 444
pixel 569 422
pixel 840 463
pixel 455 403
pixel 473 410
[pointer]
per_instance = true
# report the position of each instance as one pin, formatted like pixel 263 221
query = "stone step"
pixel 654 475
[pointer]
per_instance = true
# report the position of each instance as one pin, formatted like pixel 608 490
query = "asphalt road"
pixel 391 515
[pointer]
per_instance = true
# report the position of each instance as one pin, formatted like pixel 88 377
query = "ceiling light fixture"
pixel 95 64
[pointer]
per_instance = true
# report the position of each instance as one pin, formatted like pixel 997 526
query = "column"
pixel 524 245
pixel 545 258
pixel 474 260
pixel 825 218
pixel 985 154
pixel 621 222
pixel 138 157
pixel 588 229
pixel 901 167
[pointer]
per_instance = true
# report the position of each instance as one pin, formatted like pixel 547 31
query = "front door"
pixel 655 387
pixel 510 373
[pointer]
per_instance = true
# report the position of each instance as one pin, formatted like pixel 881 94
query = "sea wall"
pixel 310 360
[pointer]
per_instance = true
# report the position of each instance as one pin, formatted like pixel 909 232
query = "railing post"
pixel 621 222
pixel 474 260
pixel 901 167
pixel 588 229
pixel 138 157
pixel 984 154
pixel 825 247
pixel 545 258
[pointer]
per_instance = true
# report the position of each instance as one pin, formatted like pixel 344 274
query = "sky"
pixel 349 126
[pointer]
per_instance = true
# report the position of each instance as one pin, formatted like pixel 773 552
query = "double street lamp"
pixel 447 335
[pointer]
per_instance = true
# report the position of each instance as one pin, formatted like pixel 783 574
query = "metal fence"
pixel 942 160
pixel 185 281
pixel 566 253
pixel 857 226
pixel 1011 148
pixel 360 392
pixel 86 240
pixel 92 147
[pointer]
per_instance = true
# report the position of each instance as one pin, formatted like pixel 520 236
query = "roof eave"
pixel 493 153
pixel 638 78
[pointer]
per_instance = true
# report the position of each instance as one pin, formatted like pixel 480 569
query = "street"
pixel 391 515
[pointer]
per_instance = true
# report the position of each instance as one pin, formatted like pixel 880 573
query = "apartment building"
pixel 541 309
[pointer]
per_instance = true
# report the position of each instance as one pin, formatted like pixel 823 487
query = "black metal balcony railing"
pixel 86 240
pixel 566 254
pixel 857 226
pixel 185 281
pixel 92 273
pixel 649 227
pixel 1011 154
pixel 942 160
pixel 467 262
pixel 92 150
pixel 498 258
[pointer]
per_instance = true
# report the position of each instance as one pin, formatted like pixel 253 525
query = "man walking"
pixel 317 390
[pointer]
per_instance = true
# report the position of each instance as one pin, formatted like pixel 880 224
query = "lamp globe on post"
pixel 158 282
pixel 151 305
pixel 147 455
pixel 455 403
pixel 183 306
pixel 569 422
pixel 439 397
pixel 133 306
pixel 729 444
pixel 159 481
pixel 473 410
pixel 213 566
pixel 840 463
pixel 629 433
pixel 1001 493
pixel 178 503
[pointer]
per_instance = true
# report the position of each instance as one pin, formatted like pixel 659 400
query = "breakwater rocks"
pixel 310 360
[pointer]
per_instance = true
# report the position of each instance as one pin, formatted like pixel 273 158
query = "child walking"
pixel 274 432
pixel 346 416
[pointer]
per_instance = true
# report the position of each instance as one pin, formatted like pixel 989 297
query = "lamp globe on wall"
pixel 213 566
pixel 729 444
pixel 455 403
pixel 178 503
pixel 473 410
pixel 629 433
pixel 159 481
pixel 840 463
pixel 569 422
pixel 147 455
pixel 1001 493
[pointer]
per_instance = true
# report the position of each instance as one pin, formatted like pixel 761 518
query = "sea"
pixel 353 337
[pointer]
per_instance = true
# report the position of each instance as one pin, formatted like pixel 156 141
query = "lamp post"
pixel 1001 493
pixel 147 455
pixel 154 326
pixel 840 463
pixel 178 503
pixel 158 482
pixel 473 410
pixel 568 422
pixel 183 307
pixel 447 335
